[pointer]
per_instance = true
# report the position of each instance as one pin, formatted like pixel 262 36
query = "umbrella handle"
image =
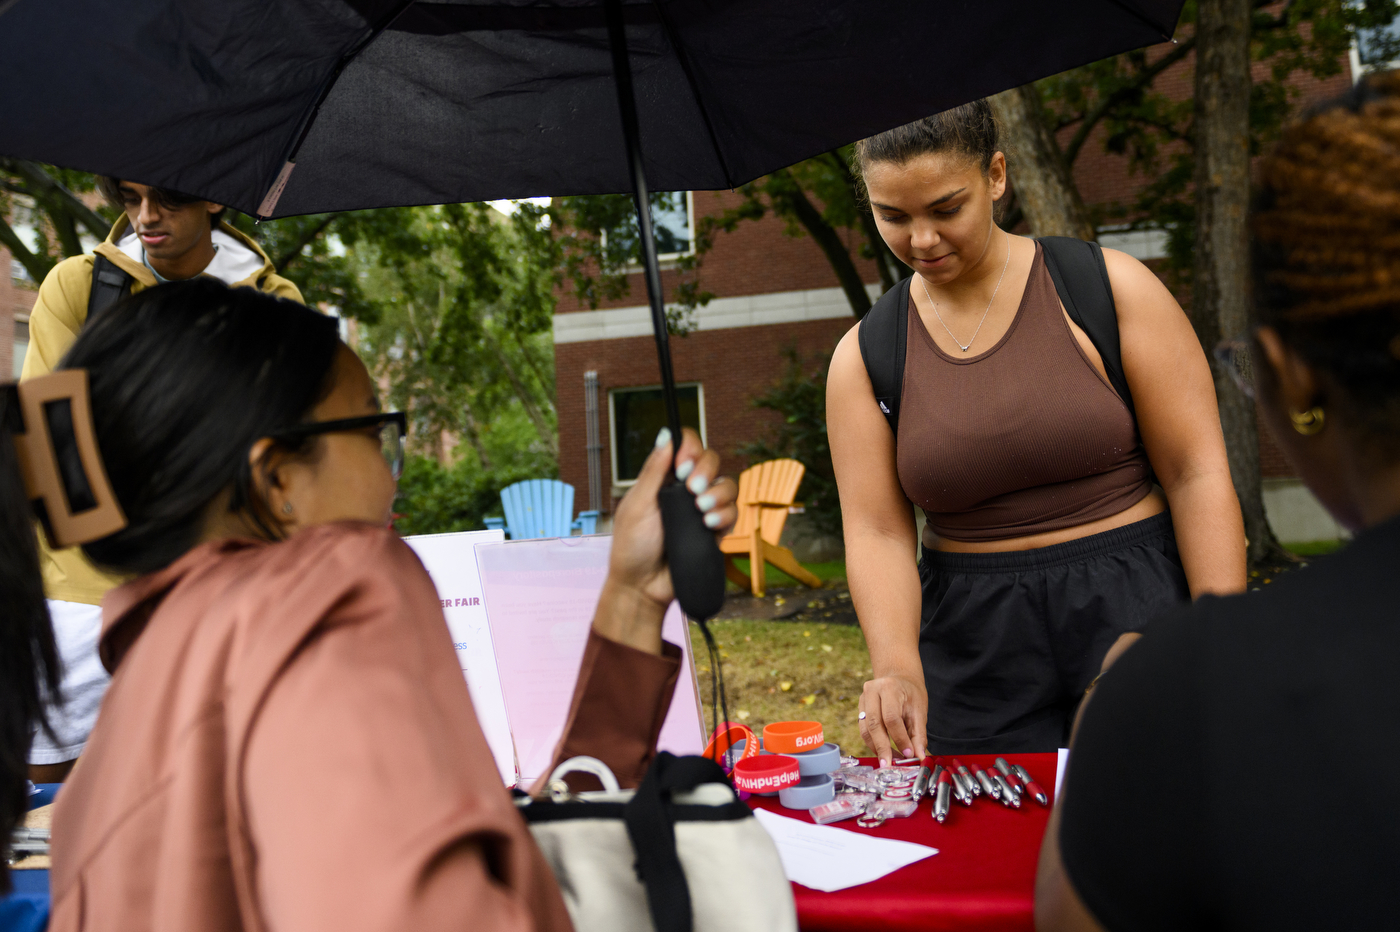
pixel 697 566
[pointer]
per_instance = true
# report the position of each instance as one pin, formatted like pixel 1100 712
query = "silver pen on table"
pixel 921 783
pixel 988 787
pixel 1009 799
pixel 940 798
pixel 1033 789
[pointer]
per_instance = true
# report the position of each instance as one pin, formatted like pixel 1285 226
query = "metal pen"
pixel 940 798
pixel 960 793
pixel 988 787
pixel 1036 791
pixel 969 784
pixel 921 783
pixel 1009 799
pixel 1005 769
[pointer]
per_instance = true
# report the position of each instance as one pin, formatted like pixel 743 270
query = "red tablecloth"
pixel 982 878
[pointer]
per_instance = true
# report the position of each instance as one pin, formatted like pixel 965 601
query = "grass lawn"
pixel 1315 548
pixel 832 569
pixel 778 671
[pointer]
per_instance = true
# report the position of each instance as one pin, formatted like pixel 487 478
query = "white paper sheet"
pixel 1060 764
pixel 827 858
pixel 451 562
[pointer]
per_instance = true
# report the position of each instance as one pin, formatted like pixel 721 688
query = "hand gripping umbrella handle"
pixel 697 566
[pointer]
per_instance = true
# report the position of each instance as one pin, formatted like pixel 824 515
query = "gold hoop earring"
pixel 1308 423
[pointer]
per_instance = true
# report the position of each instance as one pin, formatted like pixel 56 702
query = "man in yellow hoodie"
pixel 162 236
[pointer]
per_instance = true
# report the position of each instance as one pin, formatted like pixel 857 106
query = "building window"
pixel 672 222
pixel 1376 49
pixel 21 343
pixel 671 219
pixel 636 416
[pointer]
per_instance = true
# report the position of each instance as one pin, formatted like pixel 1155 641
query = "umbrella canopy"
pixel 382 103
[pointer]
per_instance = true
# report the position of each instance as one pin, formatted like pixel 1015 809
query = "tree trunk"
pixel 1221 270
pixel 890 268
pixel 789 197
pixel 1045 192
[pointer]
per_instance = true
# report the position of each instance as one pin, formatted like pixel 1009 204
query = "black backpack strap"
pixel 653 836
pixel 109 285
pixel 883 333
pixel 1081 278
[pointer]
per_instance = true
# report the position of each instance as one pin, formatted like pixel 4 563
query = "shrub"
pixel 799 397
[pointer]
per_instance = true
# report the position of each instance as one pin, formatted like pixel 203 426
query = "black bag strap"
pixel 109 285
pixel 883 333
pixel 653 836
pixel 1081 279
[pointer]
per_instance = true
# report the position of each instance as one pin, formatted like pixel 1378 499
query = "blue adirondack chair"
pixel 541 508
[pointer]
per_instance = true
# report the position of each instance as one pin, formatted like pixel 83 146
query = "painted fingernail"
pixel 698 485
pixel 712 520
pixel 908 752
pixel 685 469
pixel 663 437
pixel 705 502
pixel 884 763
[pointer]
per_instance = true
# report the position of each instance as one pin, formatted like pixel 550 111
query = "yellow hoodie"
pixel 58 315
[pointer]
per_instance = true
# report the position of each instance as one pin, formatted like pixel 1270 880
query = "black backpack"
pixel 1081 279
pixel 109 285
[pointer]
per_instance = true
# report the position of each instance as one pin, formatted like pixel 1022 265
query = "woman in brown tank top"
pixel 1047 543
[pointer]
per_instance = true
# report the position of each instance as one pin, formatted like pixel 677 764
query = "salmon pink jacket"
pixel 288 744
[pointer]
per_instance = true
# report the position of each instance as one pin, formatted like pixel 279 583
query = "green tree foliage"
pixel 1119 96
pixel 452 308
pixel 798 396
pixel 436 498
pixel 462 333
pixel 47 203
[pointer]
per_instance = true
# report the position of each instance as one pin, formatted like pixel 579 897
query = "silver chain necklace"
pixel 984 313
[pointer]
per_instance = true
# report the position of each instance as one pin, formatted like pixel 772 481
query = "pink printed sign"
pixel 540 598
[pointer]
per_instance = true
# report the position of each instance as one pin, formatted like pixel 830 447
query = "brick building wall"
pixel 732 363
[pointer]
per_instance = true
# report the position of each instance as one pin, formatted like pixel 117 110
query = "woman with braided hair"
pixel 1199 795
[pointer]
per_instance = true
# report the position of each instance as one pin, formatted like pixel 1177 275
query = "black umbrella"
pixel 281 107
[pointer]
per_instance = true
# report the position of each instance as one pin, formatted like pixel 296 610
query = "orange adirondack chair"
pixel 766 491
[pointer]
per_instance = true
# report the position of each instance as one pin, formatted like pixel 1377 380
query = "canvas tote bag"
pixel 681 853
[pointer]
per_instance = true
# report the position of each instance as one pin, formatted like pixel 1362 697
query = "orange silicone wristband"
pixel 792 737
pixel 726 736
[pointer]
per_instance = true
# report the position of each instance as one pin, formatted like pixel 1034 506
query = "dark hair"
pixel 1326 249
pixel 969 130
pixel 29 669
pixel 185 378
pixel 168 198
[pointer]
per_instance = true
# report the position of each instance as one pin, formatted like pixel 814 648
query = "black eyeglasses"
pixel 393 425
pixel 1237 358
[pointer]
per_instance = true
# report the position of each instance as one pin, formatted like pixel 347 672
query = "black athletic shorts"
pixel 1010 641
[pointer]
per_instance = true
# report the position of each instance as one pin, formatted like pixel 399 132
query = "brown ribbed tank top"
pixel 1024 438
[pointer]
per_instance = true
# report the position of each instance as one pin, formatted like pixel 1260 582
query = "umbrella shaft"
pixel 627 106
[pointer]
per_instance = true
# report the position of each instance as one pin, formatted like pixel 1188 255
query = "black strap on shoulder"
pixel 884 330
pixel 653 836
pixel 109 285
pixel 1081 279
